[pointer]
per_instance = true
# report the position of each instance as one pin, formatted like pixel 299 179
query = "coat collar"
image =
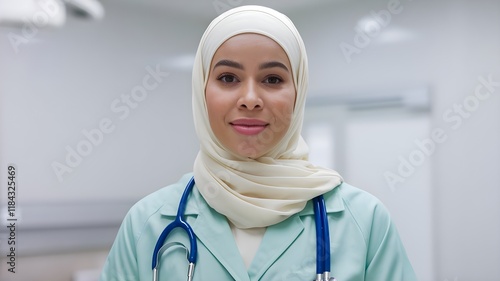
pixel 171 203
pixel 333 201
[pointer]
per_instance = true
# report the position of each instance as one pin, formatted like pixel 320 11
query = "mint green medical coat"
pixel 364 242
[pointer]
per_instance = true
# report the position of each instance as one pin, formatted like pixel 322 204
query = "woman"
pixel 251 205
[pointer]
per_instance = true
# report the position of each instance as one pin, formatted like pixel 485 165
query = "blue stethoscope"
pixel 322 238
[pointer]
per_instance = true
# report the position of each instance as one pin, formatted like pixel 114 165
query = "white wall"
pixel 65 80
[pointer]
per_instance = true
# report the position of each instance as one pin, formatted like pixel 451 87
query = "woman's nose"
pixel 250 97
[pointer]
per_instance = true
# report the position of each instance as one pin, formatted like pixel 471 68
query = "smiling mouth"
pixel 249 126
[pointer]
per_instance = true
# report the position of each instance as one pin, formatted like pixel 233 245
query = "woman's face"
pixel 250 94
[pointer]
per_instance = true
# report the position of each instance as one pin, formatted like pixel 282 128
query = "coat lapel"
pixel 213 230
pixel 276 240
pixel 279 237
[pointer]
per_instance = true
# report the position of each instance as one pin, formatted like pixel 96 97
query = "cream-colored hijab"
pixel 264 191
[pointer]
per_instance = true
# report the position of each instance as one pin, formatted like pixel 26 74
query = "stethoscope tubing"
pixel 179 222
pixel 322 237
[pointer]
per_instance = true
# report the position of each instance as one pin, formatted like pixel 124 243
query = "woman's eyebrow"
pixel 272 64
pixel 229 63
pixel 237 65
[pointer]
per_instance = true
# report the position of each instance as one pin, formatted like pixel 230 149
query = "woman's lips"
pixel 249 126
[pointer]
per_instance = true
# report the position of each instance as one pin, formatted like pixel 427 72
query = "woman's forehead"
pixel 247 42
pixel 251 46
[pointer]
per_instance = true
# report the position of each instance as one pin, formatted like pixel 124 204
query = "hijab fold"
pixel 267 190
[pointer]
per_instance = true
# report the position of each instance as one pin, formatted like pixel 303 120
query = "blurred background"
pixel 95 113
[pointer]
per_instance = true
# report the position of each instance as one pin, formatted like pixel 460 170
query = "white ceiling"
pixel 209 9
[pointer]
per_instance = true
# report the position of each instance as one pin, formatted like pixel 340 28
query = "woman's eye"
pixel 273 80
pixel 226 78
